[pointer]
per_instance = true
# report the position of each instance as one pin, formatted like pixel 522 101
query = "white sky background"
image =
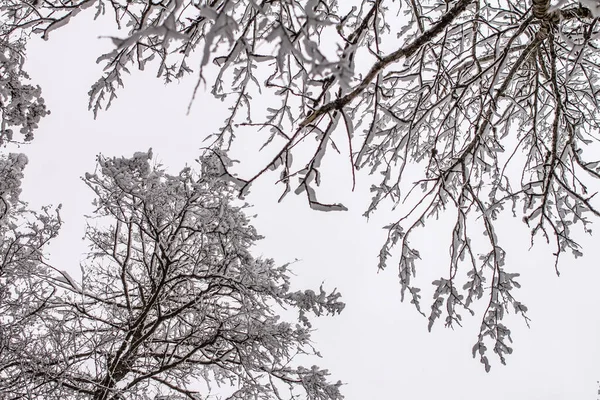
pixel 378 346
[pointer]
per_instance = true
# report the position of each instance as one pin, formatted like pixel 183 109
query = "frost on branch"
pixel 21 104
pixel 495 103
pixel 171 295
pixel 24 292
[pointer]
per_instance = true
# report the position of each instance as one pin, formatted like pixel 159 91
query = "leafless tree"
pixel 171 297
pixel 496 101
pixel 24 293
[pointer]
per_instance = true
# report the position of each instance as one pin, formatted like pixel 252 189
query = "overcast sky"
pixel 378 346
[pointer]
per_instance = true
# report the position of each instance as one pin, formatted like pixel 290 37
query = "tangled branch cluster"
pixel 170 302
